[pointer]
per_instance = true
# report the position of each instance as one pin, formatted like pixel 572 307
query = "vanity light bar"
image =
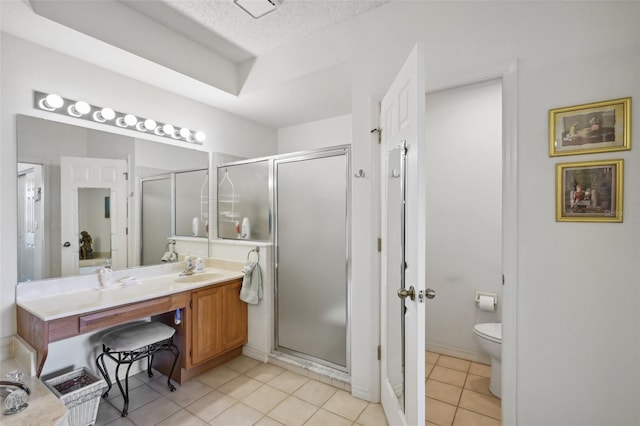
pixel 81 109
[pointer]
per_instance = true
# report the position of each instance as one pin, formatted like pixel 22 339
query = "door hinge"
pixel 379 244
pixel 126 230
pixel 378 130
pixel 502 279
pixel 379 352
pixel 190 353
pixel 190 304
pixel 126 175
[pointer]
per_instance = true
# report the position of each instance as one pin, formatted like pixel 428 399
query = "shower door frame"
pixel 302 156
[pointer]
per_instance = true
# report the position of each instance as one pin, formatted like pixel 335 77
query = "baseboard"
pixel 255 354
pixel 474 356
pixel 362 393
pixel 321 373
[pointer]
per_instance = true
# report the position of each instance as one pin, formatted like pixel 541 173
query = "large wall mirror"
pixel 81 194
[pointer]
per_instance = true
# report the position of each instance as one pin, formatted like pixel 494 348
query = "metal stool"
pixel 130 344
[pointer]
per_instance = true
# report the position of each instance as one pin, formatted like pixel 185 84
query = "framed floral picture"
pixel 589 191
pixel 590 128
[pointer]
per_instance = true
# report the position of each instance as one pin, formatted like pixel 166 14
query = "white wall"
pixel 577 300
pixel 27 67
pixel 314 135
pixel 260 316
pixel 464 209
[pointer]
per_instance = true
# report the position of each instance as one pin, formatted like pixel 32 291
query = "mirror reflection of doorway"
pixel 94 228
pixel 80 174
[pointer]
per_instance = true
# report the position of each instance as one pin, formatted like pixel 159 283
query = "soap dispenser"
pixel 199 264
pixel 245 232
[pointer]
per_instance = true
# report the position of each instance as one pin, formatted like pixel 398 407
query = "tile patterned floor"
pixel 457 393
pixel 241 392
pixel 246 392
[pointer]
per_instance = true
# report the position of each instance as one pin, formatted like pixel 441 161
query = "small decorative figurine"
pixel 86 251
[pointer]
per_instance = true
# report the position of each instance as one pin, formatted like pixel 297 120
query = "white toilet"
pixel 490 337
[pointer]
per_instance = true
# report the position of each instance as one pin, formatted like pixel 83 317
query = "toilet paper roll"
pixel 486 303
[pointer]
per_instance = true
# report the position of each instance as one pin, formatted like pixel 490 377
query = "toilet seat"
pixel 490 331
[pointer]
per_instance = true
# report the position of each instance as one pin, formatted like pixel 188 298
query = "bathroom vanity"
pixel 211 330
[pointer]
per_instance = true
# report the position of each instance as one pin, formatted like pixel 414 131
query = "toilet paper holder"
pixel 492 295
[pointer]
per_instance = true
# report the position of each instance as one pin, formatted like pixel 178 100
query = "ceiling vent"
pixel 257 8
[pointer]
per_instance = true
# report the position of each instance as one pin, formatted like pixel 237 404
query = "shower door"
pixel 312 275
pixel 156 218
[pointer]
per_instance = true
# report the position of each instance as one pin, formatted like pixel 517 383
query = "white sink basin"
pixel 195 278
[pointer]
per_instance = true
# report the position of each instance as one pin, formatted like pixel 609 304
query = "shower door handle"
pixel 411 293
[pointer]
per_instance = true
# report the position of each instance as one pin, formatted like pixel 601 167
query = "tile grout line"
pixel 146 385
pixel 463 388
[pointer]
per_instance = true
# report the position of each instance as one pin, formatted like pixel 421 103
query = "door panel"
pixel 402 116
pixel 207 318
pixel 235 319
pixel 75 173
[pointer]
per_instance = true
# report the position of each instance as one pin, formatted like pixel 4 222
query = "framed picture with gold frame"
pixel 589 191
pixel 590 128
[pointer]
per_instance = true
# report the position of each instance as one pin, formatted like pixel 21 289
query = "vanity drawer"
pixel 122 314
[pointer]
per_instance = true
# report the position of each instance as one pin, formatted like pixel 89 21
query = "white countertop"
pixel 91 297
pixel 44 407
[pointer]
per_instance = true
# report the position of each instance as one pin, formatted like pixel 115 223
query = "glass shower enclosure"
pixel 312 257
pixel 308 194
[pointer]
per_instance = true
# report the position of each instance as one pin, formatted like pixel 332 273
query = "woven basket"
pixel 80 390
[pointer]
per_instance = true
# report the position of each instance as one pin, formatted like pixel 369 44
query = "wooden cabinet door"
pixel 207 324
pixel 234 329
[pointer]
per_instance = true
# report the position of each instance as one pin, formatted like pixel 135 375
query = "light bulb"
pixel 127 120
pixel 79 109
pixel 130 119
pixel 108 113
pixel 168 129
pixel 150 124
pixel 51 102
pixel 200 136
pixel 185 133
pixel 145 125
pixel 105 114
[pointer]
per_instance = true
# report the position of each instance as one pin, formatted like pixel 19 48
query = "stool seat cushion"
pixel 137 336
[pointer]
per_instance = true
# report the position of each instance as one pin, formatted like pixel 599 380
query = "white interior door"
pixel 76 173
pixel 403 245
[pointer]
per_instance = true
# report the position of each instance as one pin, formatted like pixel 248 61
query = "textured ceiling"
pixel 292 20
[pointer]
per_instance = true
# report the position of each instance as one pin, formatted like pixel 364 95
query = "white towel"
pixel 251 291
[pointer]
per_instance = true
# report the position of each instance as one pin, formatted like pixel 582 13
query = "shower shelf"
pixel 230 214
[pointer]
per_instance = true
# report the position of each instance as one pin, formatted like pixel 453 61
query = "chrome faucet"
pixel 14 400
pixel 190 268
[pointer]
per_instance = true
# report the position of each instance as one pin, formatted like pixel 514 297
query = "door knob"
pixel 430 293
pixel 67 244
pixel 403 293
